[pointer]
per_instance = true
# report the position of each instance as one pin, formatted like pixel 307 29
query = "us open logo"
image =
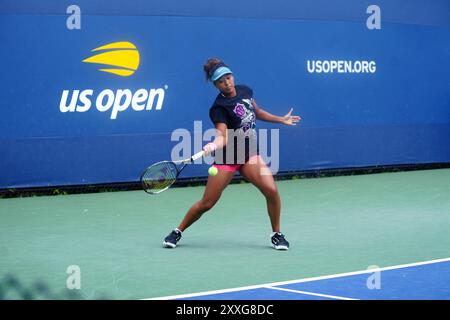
pixel 124 56
pixel 118 59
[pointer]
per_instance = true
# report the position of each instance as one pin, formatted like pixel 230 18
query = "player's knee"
pixel 270 192
pixel 207 204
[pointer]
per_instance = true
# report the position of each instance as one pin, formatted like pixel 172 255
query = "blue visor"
pixel 220 72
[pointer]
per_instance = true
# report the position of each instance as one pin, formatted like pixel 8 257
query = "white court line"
pixel 199 294
pixel 311 293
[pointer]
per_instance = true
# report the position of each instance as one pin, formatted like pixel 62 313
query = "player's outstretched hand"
pixel 289 119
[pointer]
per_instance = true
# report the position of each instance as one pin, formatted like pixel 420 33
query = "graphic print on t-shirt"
pixel 245 111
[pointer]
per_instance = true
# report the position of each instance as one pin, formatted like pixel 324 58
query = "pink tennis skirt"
pixel 235 167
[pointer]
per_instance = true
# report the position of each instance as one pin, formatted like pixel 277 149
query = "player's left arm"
pixel 263 115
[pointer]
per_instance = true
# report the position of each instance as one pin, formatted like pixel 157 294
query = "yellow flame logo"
pixel 124 56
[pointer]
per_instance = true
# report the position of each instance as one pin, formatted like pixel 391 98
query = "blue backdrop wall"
pixel 64 122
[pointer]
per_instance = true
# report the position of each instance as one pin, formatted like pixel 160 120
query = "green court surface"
pixel 334 225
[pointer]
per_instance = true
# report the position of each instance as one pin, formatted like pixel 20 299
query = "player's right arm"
pixel 221 138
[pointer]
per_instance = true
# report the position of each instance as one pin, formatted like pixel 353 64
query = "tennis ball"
pixel 212 171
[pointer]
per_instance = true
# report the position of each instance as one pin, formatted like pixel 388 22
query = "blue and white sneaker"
pixel 172 239
pixel 278 241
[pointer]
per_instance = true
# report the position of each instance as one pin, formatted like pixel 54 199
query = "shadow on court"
pixel 12 288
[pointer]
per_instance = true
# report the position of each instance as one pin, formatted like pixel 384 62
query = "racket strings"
pixel 159 177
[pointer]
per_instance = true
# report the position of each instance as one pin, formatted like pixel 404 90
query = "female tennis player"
pixel 234 113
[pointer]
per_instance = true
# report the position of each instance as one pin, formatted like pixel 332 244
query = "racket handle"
pixel 197 155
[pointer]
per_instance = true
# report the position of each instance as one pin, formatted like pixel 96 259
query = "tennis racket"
pixel 161 175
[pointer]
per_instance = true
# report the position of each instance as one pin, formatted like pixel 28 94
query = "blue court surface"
pixel 428 280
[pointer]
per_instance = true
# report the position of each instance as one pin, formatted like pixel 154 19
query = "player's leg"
pixel 260 176
pixel 257 173
pixel 214 187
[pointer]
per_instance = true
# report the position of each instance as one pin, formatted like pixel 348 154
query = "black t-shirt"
pixel 239 115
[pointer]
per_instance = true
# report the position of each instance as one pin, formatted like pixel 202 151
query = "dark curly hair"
pixel 211 65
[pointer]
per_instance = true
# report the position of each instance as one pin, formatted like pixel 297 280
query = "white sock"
pixel 176 229
pixel 274 233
